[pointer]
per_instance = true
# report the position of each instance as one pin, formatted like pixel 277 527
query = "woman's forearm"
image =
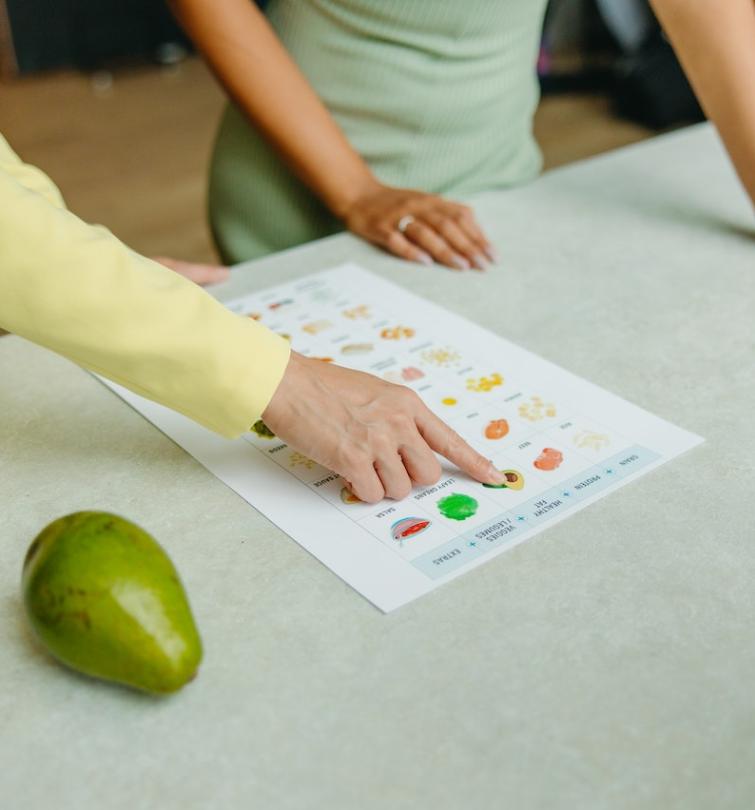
pixel 715 42
pixel 249 60
pixel 79 291
pixel 253 66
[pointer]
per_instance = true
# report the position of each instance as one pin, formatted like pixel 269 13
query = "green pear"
pixel 105 599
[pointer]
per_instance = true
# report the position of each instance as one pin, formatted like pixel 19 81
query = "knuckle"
pixel 453 441
pixel 429 473
pixel 371 494
pixel 480 464
pixel 399 491
pixel 381 443
pixel 399 420
pixel 409 396
pixel 486 464
pixel 476 464
pixel 351 457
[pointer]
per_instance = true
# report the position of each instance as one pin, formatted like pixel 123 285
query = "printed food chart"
pixel 561 441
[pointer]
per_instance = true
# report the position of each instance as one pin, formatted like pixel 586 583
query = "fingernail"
pixel 492 254
pixel 480 262
pixel 425 258
pixel 461 263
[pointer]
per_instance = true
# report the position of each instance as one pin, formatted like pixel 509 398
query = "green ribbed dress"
pixel 436 95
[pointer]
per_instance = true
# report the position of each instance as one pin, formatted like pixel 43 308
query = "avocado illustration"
pixel 262 430
pixel 105 599
pixel 514 480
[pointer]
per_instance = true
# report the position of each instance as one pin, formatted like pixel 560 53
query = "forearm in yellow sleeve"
pixel 79 291
pixel 28 176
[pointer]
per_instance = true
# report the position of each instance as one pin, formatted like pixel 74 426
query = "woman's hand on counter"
pixel 419 227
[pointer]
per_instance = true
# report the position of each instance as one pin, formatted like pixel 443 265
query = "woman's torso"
pixel 436 94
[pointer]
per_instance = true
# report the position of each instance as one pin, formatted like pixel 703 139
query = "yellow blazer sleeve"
pixel 79 291
pixel 28 176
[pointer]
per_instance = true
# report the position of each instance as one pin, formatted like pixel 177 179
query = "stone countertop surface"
pixel 607 663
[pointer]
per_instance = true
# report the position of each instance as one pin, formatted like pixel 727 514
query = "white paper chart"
pixel 561 441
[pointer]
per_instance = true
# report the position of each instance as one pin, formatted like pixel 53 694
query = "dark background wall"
pixel 588 46
pixel 87 33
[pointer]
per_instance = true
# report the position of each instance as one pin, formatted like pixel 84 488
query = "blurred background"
pixel 108 97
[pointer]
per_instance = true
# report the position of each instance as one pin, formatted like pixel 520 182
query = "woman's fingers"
pixel 465 218
pixel 379 436
pixel 459 241
pixel 400 246
pixel 451 236
pixel 420 227
pixel 421 464
pixel 393 476
pixel 363 481
pixel 433 243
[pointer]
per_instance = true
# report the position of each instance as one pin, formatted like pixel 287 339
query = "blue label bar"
pixel 635 458
pixel 447 558
pixel 539 510
pixel 494 533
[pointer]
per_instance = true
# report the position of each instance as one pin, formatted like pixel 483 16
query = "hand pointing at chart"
pixel 379 436
pixel 84 294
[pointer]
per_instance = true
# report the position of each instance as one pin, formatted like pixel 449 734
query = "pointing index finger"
pixel 449 444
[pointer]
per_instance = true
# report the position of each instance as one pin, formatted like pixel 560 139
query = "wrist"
pixel 282 394
pixel 351 191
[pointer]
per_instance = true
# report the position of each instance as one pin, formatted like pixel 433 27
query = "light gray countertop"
pixel 607 663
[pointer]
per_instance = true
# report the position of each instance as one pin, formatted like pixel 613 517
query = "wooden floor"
pixel 131 151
